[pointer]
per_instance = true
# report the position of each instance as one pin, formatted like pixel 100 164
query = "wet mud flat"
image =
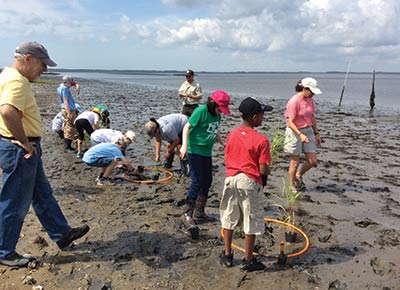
pixel 350 209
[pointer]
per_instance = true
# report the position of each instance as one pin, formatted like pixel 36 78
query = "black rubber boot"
pixel 199 213
pixel 192 227
pixel 67 145
pixel 185 170
pixel 168 162
pixel 190 203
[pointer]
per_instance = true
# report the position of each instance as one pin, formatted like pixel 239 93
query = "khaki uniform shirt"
pixel 192 89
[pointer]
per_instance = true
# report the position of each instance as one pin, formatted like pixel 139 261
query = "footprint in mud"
pixel 381 267
pixel 324 238
pixel 307 198
pixel 389 237
pixel 41 242
pixel 337 285
pixel 365 223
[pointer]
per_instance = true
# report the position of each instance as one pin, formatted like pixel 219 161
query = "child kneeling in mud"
pixel 107 156
pixel 247 158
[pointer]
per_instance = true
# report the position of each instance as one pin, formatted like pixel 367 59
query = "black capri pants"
pixel 81 126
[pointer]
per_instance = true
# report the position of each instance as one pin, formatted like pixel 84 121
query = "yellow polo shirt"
pixel 16 90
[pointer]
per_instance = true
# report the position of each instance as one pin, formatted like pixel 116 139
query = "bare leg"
pixel 79 145
pixel 249 241
pixel 294 163
pixel 311 161
pixel 109 168
pixel 228 241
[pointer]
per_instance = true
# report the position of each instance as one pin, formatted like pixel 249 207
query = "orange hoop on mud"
pixel 269 220
pixel 169 175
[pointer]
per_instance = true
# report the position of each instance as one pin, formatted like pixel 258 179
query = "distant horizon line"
pixel 180 72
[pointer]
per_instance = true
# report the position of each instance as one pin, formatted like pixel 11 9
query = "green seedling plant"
pixel 277 144
pixel 155 172
pixel 286 202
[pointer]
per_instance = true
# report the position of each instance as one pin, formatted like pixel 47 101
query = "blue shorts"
pixel 101 162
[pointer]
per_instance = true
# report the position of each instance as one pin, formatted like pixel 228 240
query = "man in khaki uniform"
pixel 190 93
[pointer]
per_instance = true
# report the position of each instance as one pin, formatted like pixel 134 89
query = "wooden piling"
pixel 372 97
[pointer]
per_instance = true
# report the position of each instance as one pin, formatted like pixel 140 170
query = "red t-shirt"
pixel 245 150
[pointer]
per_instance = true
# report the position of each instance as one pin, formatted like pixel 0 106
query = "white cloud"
pixel 128 28
pixel 349 23
pixel 45 17
pixel 185 3
pixel 350 26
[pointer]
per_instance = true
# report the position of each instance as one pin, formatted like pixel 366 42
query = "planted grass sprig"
pixel 286 202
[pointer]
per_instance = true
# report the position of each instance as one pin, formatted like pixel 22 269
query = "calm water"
pixel 276 85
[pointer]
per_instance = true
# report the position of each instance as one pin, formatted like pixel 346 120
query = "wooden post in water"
pixel 372 97
pixel 344 85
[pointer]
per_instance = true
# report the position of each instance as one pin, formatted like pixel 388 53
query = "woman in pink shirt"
pixel 301 133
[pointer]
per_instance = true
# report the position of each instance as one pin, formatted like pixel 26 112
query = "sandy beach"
pixel 350 210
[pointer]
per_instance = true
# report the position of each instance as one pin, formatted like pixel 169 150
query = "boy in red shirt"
pixel 247 158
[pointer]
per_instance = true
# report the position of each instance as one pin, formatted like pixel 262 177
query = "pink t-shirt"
pixel 300 111
pixel 245 150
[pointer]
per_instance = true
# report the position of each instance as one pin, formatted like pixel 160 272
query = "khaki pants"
pixel 188 109
pixel 68 126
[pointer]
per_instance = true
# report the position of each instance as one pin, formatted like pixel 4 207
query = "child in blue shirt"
pixel 107 156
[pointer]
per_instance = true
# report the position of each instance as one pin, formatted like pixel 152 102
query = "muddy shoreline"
pixel 350 210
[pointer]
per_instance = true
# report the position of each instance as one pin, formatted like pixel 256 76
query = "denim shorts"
pixel 101 162
pixel 293 144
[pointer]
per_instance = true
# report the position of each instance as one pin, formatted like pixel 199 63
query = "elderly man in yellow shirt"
pixel 23 180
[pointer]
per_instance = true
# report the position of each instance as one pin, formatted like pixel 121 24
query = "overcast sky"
pixel 226 35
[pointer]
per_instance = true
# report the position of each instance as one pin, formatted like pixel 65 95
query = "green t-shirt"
pixel 203 131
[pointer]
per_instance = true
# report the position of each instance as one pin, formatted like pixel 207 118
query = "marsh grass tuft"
pixel 286 202
pixel 277 144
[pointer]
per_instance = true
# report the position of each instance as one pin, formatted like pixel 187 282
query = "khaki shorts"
pixel 242 202
pixel 293 144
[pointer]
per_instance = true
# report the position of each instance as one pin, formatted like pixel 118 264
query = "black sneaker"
pixel 253 265
pixel 16 260
pixel 73 235
pixel 226 260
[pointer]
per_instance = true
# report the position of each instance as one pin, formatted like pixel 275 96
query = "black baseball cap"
pixel 189 72
pixel 251 106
